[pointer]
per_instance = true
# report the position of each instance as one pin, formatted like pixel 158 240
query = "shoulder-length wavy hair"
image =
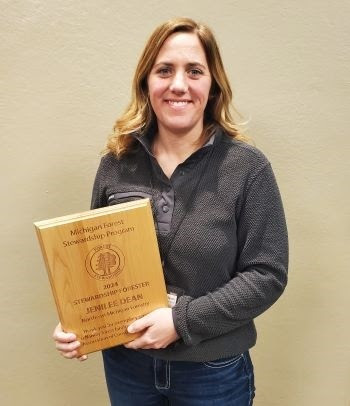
pixel 139 115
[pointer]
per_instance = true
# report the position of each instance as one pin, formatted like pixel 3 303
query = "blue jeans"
pixel 136 379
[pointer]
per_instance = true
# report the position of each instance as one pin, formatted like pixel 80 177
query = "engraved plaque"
pixel 105 271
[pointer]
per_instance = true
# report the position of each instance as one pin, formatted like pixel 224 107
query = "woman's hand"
pixel 157 329
pixel 67 344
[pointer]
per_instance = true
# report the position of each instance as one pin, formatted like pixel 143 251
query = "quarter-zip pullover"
pixel 222 236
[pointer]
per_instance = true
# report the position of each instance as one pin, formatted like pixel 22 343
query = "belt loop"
pixel 161 373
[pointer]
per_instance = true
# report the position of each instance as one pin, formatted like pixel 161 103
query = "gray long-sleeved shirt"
pixel 222 235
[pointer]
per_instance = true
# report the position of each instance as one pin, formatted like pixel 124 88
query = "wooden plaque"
pixel 105 271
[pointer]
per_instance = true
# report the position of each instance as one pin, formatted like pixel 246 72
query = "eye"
pixel 195 72
pixel 164 71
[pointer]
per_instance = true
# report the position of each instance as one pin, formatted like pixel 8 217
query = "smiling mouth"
pixel 178 103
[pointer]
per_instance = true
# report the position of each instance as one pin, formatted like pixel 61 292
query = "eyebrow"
pixel 190 64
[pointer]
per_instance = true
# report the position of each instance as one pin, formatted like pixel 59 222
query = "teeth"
pixel 178 103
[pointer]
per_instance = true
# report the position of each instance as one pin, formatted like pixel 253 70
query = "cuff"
pixel 181 321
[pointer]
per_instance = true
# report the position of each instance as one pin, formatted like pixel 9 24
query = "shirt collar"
pixel 146 139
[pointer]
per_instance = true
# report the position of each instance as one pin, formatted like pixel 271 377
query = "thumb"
pixel 139 325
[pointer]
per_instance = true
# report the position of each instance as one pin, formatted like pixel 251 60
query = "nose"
pixel 179 83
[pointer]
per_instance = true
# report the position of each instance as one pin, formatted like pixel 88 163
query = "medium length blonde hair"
pixel 139 115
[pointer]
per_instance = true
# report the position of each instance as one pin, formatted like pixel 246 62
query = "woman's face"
pixel 179 84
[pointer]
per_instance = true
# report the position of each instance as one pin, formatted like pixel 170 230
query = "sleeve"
pixel 261 266
pixel 98 198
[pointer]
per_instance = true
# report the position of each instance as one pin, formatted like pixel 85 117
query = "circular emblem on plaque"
pixel 104 261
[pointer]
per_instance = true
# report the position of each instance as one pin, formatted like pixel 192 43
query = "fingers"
pixel 140 324
pixel 157 330
pixel 69 355
pixel 67 344
pixel 67 347
pixel 145 342
pixel 68 350
pixel 61 336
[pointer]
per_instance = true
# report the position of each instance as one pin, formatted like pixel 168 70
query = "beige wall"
pixel 66 68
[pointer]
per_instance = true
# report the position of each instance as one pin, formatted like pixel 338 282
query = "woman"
pixel 220 223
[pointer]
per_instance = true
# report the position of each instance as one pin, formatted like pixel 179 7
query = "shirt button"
pixel 165 208
pixel 182 173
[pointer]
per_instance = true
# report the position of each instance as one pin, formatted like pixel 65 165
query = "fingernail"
pixel 131 329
